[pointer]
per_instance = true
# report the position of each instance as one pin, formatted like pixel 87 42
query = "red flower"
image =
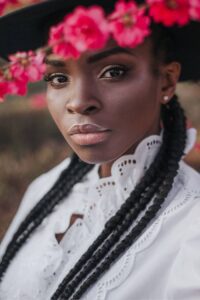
pixel 86 28
pixel 3 89
pixel 38 101
pixel 24 68
pixel 10 4
pixel 2 6
pixel 170 12
pixel 59 45
pixel 195 10
pixel 5 3
pixel 27 65
pixel 128 24
pixel 83 29
pixel 14 86
pixel 17 87
pixel 197 146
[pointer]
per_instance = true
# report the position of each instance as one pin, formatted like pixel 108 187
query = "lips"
pixel 85 128
pixel 88 134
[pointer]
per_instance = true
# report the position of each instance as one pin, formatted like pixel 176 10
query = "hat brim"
pixel 28 28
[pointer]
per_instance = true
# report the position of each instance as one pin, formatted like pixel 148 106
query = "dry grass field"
pixel 30 144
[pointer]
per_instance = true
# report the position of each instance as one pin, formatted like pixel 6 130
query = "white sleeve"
pixel 36 190
pixel 184 279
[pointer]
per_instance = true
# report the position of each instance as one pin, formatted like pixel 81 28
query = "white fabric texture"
pixel 163 264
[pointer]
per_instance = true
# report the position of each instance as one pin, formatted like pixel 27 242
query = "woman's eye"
pixel 114 72
pixel 56 80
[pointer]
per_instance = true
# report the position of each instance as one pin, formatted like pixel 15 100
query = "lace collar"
pixel 127 170
pixel 107 194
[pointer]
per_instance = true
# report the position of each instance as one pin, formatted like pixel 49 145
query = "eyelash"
pixel 49 77
pixel 117 67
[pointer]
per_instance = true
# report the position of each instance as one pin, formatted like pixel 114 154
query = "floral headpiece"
pixel 89 28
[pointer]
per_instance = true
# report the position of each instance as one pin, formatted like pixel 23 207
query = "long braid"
pixel 56 194
pixel 166 186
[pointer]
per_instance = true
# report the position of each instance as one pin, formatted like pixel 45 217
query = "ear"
pixel 171 73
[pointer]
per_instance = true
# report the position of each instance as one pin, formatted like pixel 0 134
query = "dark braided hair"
pixel 127 224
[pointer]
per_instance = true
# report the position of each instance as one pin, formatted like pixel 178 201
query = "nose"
pixel 83 100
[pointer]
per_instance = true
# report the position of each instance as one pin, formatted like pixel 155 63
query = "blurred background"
pixel 30 143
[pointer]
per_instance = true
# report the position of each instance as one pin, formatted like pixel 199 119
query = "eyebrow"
pixel 92 59
pixel 54 62
pixel 106 53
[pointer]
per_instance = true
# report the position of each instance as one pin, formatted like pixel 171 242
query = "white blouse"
pixel 163 264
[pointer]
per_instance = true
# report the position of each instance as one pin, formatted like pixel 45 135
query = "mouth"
pixel 88 134
pixel 90 138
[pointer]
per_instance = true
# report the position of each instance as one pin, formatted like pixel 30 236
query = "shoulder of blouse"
pixel 35 191
pixel 193 177
pixel 184 276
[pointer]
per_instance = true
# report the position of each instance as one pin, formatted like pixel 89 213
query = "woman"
pixel 118 220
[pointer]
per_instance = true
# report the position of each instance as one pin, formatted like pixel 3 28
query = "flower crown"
pixel 89 28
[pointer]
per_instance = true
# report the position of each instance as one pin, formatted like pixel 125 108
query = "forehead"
pixel 111 49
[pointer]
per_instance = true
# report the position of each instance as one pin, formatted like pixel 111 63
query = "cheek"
pixel 136 102
pixel 56 105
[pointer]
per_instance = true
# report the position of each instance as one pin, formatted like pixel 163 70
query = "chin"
pixel 98 153
pixel 92 155
pixel 91 158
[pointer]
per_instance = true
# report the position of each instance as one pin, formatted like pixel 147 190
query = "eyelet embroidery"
pixel 124 164
pixel 152 143
pixel 100 187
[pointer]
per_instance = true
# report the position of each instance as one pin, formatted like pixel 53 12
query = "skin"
pixel 126 100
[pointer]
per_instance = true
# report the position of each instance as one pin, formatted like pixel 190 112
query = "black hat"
pixel 28 28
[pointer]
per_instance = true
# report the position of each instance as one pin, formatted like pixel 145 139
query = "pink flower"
pixel 195 10
pixel 59 45
pixel 3 90
pixel 27 65
pixel 197 146
pixel 2 6
pixel 5 3
pixel 83 29
pixel 17 87
pixel 86 28
pixel 56 35
pixel 128 24
pixel 170 12
pixel 39 101
pixel 14 86
pixel 24 67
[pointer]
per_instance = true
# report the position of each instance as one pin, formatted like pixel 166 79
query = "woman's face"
pixel 105 102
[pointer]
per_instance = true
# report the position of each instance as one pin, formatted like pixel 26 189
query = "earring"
pixel 166 98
